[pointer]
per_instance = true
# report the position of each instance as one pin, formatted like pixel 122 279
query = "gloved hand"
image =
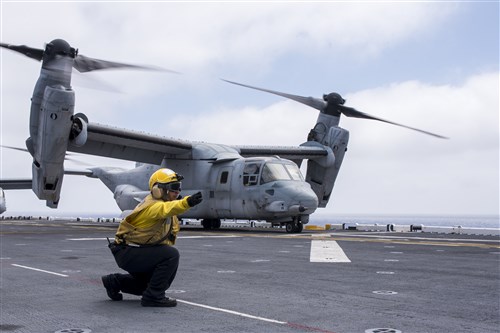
pixel 194 199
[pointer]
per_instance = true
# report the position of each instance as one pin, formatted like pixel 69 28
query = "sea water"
pixel 485 221
pixel 472 221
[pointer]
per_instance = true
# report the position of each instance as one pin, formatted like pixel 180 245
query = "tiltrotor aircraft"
pixel 237 182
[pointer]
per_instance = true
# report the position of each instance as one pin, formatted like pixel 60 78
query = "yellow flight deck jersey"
pixel 151 221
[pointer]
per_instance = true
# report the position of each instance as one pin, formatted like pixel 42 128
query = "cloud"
pixel 386 166
pixel 467 113
pixel 208 33
pixel 283 123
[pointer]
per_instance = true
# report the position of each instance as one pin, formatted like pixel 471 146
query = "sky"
pixel 430 65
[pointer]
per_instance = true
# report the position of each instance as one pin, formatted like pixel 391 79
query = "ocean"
pixel 472 221
pixel 485 221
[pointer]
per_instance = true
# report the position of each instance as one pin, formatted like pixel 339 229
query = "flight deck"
pixel 246 280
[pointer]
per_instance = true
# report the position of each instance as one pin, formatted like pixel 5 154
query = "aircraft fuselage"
pixel 264 188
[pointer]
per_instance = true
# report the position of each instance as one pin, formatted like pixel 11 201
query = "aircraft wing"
pixel 15 184
pixel 291 153
pixel 107 141
pixel 87 172
pixel 26 183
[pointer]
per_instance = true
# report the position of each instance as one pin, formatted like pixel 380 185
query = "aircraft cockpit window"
pixel 294 171
pixel 279 171
pixel 251 174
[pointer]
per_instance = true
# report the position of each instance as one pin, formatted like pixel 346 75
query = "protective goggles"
pixel 174 186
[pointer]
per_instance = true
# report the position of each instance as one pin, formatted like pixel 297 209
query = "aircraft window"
pixel 223 177
pixel 294 171
pixel 274 171
pixel 251 174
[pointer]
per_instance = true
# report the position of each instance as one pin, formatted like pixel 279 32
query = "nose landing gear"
pixel 295 226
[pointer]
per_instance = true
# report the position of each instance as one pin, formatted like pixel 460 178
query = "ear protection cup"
pixel 157 192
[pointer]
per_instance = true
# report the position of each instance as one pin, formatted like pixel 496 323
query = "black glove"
pixel 194 199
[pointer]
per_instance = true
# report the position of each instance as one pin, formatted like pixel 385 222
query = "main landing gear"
pixel 210 224
pixel 294 226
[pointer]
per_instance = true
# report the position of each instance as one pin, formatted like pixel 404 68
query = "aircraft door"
pixel 223 192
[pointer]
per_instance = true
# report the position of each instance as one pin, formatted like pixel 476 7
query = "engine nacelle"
pixel 55 124
pixel 322 172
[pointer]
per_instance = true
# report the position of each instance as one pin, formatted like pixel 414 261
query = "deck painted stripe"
pixel 241 314
pixel 327 251
pixel 267 320
pixel 40 270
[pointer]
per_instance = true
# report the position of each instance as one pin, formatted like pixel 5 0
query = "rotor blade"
pixel 15 148
pixel 316 103
pixel 31 52
pixel 92 82
pixel 67 157
pixel 85 64
pixel 320 105
pixel 77 161
pixel 351 112
pixel 26 150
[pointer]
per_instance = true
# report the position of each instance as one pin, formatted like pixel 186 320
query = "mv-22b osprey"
pixel 237 182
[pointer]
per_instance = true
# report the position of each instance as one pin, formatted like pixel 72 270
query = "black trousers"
pixel 151 269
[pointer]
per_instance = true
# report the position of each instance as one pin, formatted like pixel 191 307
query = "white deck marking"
pixel 323 235
pixel 233 312
pixel 40 270
pixel 374 234
pixel 327 251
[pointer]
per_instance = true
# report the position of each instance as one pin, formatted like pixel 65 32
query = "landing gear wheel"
pixel 209 224
pixel 294 227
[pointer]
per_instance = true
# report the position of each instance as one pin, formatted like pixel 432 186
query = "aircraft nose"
pixel 304 201
pixel 294 198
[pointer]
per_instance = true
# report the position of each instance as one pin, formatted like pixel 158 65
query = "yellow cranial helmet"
pixel 164 176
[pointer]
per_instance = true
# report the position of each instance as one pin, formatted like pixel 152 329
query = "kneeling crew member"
pixel 144 242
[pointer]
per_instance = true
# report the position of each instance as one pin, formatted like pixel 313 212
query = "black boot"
pixel 162 302
pixel 112 287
